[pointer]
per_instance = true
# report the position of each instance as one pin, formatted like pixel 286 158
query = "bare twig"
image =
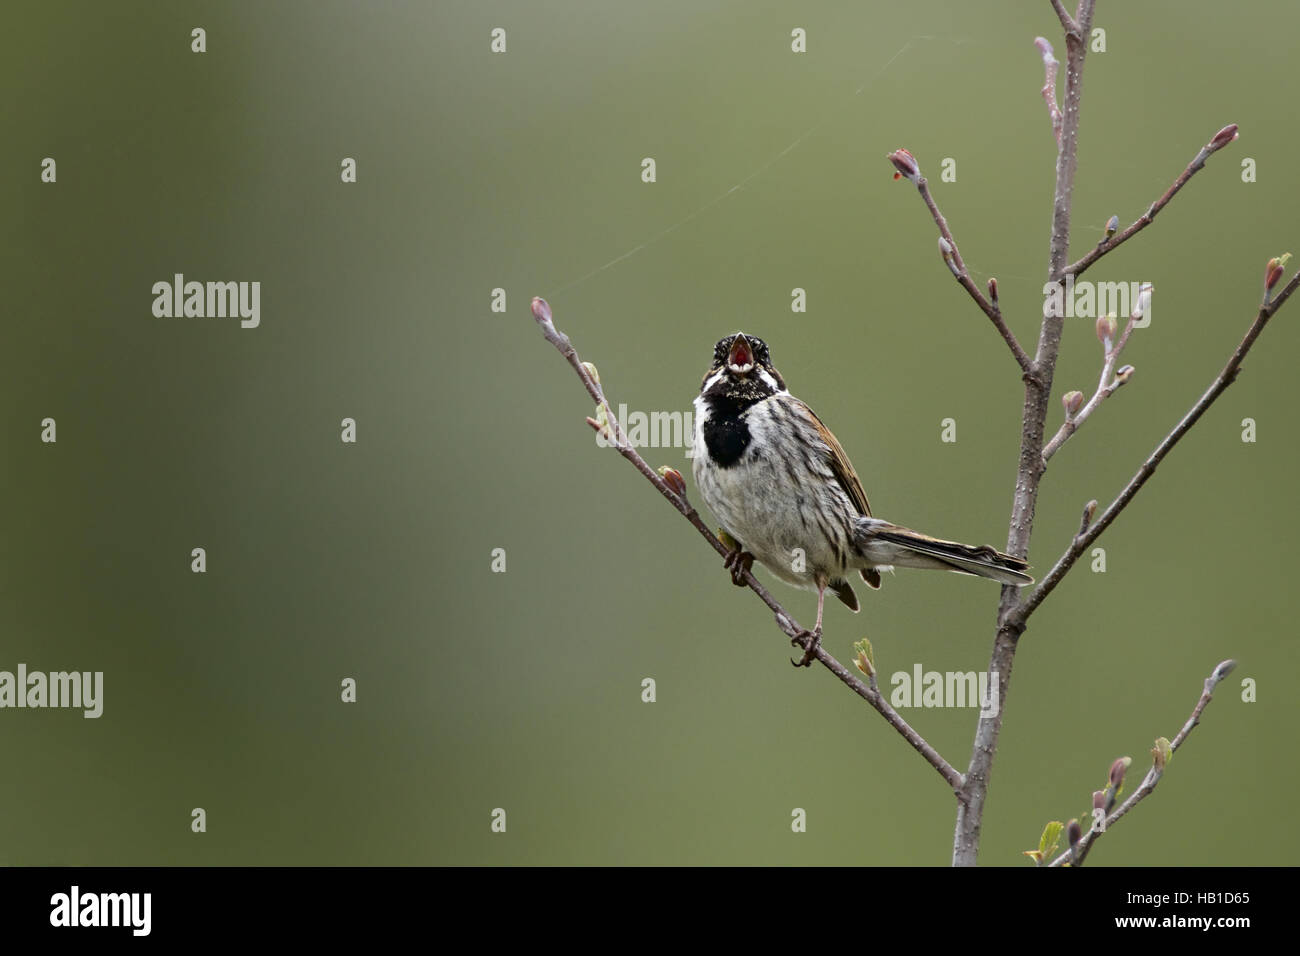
pixel 1076 855
pixel 1067 21
pixel 869 693
pixel 1220 139
pixel 1038 390
pixel 1217 388
pixel 1110 380
pixel 907 167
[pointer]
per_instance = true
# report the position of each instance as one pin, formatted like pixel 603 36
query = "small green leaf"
pixel 866 658
pixel 1051 838
pixel 1161 753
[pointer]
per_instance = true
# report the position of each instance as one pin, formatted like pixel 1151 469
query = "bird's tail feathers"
pixel 886 543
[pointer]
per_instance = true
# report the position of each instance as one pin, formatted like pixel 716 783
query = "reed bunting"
pixel 784 490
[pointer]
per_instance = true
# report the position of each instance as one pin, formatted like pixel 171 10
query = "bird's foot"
pixel 738 562
pixel 810 654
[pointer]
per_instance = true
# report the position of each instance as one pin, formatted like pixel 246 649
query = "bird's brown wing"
pixel 848 479
pixel 841 467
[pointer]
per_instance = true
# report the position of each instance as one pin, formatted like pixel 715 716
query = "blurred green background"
pixel 521 171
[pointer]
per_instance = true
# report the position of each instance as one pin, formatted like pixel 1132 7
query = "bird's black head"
pixel 742 370
pixel 740 350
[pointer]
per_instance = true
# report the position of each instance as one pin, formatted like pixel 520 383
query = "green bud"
pixel 866 657
pixel 1161 753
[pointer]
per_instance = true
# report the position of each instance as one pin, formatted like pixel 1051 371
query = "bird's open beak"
pixel 740 359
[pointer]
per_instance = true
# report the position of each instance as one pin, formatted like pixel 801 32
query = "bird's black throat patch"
pixel 726 439
pixel 726 433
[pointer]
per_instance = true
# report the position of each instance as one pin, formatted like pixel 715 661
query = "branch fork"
pixel 906 167
pixel 1160 755
pixel 1111 379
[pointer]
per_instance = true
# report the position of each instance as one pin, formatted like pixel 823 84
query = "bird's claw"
pixel 810 654
pixel 738 562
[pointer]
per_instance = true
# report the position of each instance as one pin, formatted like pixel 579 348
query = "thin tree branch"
pixel 1067 21
pixel 907 167
pixel 1220 139
pixel 1038 390
pixel 1217 388
pixel 1076 854
pixel 1110 382
pixel 799 635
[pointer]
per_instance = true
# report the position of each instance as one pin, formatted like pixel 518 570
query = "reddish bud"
pixel 1224 136
pixel 993 289
pixel 673 479
pixel 1072 401
pixel 905 163
pixel 541 310
pixel 1073 832
pixel 1273 273
pixel 1117 770
pixel 1106 329
pixel 1099 799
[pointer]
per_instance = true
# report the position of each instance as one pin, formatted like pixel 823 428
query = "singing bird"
pixel 785 491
